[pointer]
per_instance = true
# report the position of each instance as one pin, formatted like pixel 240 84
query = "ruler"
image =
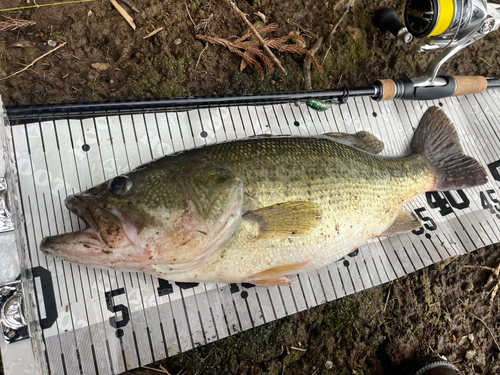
pixel 104 322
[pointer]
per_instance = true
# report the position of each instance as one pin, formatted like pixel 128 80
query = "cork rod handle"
pixel 388 89
pixel 470 85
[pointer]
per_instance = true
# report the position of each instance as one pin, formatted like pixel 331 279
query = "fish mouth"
pixel 89 246
pixel 79 206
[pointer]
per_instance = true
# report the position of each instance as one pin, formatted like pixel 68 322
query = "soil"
pixel 441 310
pixel 166 64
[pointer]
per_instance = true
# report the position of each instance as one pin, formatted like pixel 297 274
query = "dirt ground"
pixel 437 310
pixel 168 64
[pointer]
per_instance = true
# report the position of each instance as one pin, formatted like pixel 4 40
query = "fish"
pixel 257 210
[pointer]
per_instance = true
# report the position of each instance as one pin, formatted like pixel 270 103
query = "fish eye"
pixel 120 185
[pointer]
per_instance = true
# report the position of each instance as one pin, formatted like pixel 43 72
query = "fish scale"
pixel 342 180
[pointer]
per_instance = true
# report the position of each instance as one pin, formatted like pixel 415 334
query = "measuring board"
pixel 95 321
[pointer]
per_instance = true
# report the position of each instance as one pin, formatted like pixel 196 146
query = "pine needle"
pixel 257 35
pixel 45 5
pixel 240 46
pixel 11 25
pixel 267 29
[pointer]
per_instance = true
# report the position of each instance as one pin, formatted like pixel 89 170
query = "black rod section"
pixel 24 113
pixel 493 83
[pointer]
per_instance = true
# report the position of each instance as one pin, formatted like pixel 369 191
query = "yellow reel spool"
pixel 445 17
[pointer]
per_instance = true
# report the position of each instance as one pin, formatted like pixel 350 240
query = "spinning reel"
pixel 450 26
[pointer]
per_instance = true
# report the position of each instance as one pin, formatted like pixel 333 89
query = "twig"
pixel 488 328
pixel 308 62
pixel 189 14
pixel 199 57
pixel 334 30
pixel 487 63
pixel 34 61
pixel 153 32
pixel 387 299
pixel 131 6
pixel 305 31
pixel 480 267
pixel 299 349
pixel 340 79
pixel 326 54
pixel 162 369
pixel 45 5
pixel 124 14
pixel 249 24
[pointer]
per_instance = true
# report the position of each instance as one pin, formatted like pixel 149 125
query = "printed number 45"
pixel 429 223
pixel 486 204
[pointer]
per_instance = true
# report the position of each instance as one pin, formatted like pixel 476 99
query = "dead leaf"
pixel 101 67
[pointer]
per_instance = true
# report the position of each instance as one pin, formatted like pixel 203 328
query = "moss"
pixel 57 37
pixel 433 308
pixel 197 4
pixel 348 53
pixel 341 315
pixel 291 359
pixel 150 82
pixel 166 76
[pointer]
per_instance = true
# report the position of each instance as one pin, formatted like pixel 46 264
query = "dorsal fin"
pixel 363 140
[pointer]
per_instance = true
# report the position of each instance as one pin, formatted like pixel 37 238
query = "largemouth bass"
pixel 257 210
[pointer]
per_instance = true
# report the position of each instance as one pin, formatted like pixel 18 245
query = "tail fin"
pixel 437 139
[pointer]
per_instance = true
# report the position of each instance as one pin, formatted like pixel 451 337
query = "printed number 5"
pixel 427 219
pixel 117 308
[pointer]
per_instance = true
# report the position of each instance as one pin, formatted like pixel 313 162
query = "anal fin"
pixel 404 222
pixel 276 275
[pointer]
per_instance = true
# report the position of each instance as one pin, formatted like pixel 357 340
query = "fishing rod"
pixel 451 24
pixel 319 100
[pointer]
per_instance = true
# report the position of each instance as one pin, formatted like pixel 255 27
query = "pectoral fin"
pixel 363 140
pixel 276 275
pixel 404 222
pixel 286 219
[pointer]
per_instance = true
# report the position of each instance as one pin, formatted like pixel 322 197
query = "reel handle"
pixel 453 86
pixel 386 19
